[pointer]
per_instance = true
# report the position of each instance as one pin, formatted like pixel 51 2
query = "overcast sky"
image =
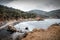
pixel 26 5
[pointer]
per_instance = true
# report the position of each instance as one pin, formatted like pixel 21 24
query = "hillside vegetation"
pixel 7 13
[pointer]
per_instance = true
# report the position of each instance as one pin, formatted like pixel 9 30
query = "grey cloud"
pixel 53 4
pixel 5 1
pixel 47 2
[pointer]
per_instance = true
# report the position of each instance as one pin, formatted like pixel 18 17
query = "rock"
pixel 18 36
pixel 11 29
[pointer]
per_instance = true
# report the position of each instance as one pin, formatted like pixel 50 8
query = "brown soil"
pixel 52 33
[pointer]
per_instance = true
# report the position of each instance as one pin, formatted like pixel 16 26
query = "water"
pixel 36 24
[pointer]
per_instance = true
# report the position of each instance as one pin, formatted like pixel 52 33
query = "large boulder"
pixel 18 36
pixel 12 29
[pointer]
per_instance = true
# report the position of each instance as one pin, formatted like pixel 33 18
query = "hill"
pixel 7 13
pixel 39 13
pixel 54 13
pixel 51 14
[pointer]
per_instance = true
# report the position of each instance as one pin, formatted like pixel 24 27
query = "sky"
pixel 26 5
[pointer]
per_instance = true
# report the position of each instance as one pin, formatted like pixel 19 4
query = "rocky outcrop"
pixel 52 33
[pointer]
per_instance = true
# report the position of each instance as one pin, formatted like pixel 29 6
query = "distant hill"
pixel 39 13
pixel 51 14
pixel 54 14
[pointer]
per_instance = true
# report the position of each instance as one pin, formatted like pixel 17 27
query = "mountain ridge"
pixel 16 13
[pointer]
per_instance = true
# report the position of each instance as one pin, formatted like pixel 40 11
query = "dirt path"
pixel 8 23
